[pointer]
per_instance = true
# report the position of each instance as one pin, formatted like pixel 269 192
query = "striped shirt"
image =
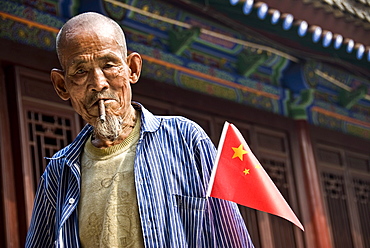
pixel 173 163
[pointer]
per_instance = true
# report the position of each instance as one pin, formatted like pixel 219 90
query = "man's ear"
pixel 57 77
pixel 134 62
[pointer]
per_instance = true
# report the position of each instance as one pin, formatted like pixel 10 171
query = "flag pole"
pixel 220 145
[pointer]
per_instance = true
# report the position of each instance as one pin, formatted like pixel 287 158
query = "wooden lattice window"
pixel 273 151
pixel 362 194
pixel 282 230
pixel 345 180
pixel 337 200
pixel 47 134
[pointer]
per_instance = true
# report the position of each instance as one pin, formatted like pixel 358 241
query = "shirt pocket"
pixel 191 213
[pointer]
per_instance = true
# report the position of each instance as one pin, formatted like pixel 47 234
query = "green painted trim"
pixel 180 40
pixel 248 62
pixel 348 99
pixel 298 109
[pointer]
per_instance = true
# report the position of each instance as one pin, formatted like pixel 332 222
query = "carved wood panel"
pixel 47 134
pixel 345 180
pixel 337 203
pixel 362 194
pixel 274 155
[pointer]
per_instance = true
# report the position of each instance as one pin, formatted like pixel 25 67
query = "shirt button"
pixel 71 201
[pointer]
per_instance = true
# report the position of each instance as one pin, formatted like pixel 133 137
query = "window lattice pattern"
pixel 336 198
pixel 47 134
pixel 277 172
pixel 282 230
pixel 362 193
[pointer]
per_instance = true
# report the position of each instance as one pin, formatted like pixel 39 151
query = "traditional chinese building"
pixel 292 75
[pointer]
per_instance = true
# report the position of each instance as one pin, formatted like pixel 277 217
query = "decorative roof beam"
pixel 298 109
pixel 248 62
pixel 348 99
pixel 180 40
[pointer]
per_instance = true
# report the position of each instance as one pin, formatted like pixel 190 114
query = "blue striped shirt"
pixel 173 163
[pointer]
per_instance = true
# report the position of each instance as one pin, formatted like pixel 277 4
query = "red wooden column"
pixel 317 228
pixel 7 174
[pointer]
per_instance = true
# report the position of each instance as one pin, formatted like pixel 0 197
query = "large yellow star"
pixel 239 152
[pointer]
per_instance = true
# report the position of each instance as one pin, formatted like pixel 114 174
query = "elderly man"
pixel 129 179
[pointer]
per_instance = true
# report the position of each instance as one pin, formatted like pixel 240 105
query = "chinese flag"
pixel 238 177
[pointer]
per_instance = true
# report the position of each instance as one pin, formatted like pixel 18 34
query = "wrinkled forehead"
pixel 88 39
pixel 88 31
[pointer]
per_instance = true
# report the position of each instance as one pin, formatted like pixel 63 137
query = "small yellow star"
pixel 239 152
pixel 246 171
pixel 258 166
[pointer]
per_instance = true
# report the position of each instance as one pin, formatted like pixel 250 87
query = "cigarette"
pixel 101 111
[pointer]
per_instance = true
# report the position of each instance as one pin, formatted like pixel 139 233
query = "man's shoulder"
pixel 69 153
pixel 153 122
pixel 76 145
pixel 56 162
pixel 171 125
pixel 182 125
pixel 178 120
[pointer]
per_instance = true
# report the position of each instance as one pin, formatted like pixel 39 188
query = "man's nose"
pixel 98 81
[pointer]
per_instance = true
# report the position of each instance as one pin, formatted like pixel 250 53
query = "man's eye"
pixel 107 66
pixel 80 71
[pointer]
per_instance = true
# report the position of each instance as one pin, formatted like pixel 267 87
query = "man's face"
pixel 95 68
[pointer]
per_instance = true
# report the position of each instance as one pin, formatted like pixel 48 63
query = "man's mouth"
pixel 103 100
pixel 107 97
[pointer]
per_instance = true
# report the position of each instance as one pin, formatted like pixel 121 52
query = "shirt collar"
pixel 149 122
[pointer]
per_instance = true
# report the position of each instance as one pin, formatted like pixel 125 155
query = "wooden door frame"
pixel 12 238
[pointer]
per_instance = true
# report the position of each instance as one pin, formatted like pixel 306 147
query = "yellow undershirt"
pixel 108 209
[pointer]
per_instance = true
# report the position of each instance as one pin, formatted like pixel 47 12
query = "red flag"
pixel 238 177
